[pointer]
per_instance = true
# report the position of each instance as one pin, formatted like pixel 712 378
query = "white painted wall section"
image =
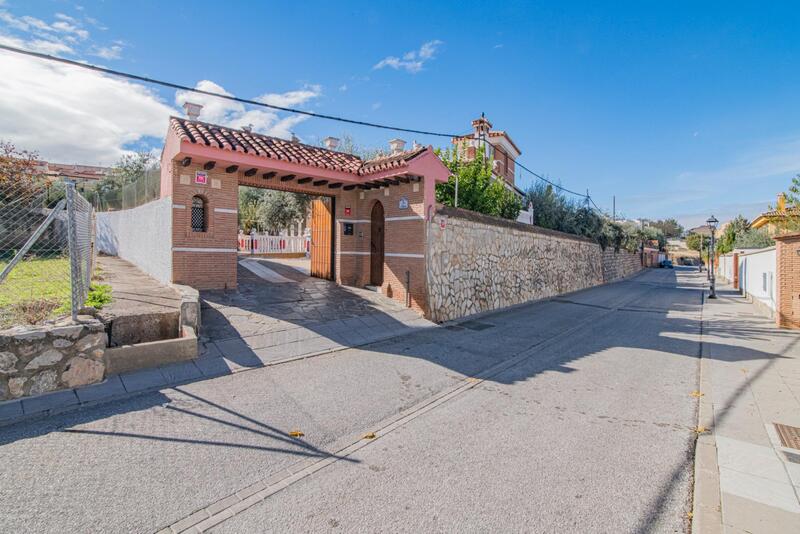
pixel 141 235
pixel 757 276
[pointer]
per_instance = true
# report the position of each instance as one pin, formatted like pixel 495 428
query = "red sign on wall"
pixel 347 210
pixel 201 177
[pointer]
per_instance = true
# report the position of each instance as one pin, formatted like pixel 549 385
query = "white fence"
pixel 757 276
pixel 725 268
pixel 273 244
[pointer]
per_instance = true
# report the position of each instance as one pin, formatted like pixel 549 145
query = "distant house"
pixel 771 220
pixel 500 149
pixel 79 173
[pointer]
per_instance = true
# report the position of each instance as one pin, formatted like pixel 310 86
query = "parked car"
pixel 666 264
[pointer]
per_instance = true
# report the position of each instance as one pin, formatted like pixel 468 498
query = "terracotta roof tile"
pixel 391 161
pixel 216 136
pixel 781 213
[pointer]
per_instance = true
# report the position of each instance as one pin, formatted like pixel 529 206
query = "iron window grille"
pixel 198 214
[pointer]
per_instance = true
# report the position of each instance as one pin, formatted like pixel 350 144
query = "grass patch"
pixel 36 279
pixel 38 289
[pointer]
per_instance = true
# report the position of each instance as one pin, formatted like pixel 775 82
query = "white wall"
pixel 141 235
pixel 757 276
pixel 725 267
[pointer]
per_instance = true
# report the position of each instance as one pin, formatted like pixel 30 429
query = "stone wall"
pixel 477 263
pixel 619 265
pixel 141 235
pixel 38 359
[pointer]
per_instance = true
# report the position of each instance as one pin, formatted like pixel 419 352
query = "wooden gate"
pixel 322 237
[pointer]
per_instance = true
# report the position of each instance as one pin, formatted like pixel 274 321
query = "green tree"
pixel 18 177
pixel 753 238
pixel 478 190
pixel 267 210
pixel 790 220
pixel 669 227
pixel 695 241
pixel 280 209
pixel 726 241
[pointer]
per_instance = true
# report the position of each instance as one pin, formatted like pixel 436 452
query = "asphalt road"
pixel 583 424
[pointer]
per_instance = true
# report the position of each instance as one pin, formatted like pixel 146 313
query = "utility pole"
pixel 614 208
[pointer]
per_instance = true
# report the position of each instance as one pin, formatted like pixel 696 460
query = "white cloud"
pixel 746 184
pixel 343 88
pixel 376 106
pixel 108 52
pixel 66 27
pixel 772 158
pixel 291 98
pixel 37 45
pixel 72 115
pixel 62 16
pixel 35 34
pixel 235 115
pixel 28 24
pixel 412 61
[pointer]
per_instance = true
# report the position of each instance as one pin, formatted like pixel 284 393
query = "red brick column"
pixel 787 259
pixel 735 270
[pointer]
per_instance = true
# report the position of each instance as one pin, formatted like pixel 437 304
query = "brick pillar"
pixel 787 260
pixel 735 270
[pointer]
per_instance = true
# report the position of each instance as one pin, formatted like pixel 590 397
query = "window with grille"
pixel 198 214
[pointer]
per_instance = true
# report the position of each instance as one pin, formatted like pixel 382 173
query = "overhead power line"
pixel 171 85
pixel 211 93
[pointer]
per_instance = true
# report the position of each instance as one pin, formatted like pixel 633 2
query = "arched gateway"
pixel 381 202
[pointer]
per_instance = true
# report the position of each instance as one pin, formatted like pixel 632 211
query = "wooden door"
pixel 321 237
pixel 376 245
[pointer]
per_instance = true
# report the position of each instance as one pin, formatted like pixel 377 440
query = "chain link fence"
pixel 46 251
pixel 145 188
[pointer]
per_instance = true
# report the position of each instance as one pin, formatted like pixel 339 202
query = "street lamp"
pixel 712 225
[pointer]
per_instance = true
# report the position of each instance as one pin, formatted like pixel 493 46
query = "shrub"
pixel 753 238
pixel 99 296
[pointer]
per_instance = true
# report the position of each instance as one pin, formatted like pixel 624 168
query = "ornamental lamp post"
pixel 712 225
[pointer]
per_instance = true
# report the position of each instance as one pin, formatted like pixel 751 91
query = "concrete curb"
pixel 707 501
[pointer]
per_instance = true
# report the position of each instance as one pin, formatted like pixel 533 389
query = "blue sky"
pixel 678 110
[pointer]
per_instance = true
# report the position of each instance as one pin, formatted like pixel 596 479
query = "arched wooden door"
pixel 376 245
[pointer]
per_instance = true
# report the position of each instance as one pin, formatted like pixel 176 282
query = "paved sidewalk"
pixel 746 481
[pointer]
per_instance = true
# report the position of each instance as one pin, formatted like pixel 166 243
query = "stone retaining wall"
pixel 477 263
pixel 35 360
pixel 619 265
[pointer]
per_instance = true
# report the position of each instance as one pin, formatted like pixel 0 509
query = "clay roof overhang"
pixel 264 154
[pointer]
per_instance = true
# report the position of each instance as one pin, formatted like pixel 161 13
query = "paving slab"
pixel 750 365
